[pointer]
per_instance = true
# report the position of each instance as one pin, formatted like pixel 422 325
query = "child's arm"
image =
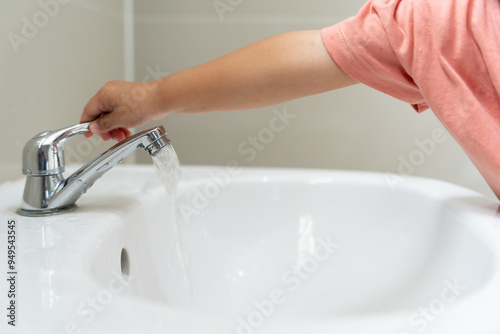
pixel 274 70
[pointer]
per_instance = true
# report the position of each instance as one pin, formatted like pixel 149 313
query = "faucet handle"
pixel 44 153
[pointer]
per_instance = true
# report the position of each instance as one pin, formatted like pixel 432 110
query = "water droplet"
pixel 29 172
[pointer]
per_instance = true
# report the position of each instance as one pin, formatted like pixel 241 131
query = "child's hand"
pixel 123 105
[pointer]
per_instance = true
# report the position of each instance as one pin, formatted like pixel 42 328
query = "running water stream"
pixel 167 167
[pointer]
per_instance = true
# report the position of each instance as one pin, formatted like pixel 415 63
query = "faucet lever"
pixel 43 154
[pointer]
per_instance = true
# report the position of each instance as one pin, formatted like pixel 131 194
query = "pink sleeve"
pixel 362 46
pixel 438 54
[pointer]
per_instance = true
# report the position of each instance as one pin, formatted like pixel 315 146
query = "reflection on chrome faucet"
pixel 48 192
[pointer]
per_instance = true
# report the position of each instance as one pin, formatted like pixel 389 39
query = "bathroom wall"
pixel 354 128
pixel 55 56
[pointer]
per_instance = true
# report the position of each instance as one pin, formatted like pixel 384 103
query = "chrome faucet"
pixel 48 192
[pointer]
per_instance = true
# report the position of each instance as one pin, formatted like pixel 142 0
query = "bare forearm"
pixel 274 70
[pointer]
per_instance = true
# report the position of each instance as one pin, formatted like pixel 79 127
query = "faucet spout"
pixel 48 192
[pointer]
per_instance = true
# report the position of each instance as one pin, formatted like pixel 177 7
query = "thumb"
pixel 94 128
pixel 103 125
pixel 108 121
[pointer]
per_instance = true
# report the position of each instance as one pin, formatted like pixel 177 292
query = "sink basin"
pixel 257 251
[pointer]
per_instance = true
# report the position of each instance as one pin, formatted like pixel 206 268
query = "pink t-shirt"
pixel 442 54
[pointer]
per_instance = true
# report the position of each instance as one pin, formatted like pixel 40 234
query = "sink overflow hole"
pixel 125 264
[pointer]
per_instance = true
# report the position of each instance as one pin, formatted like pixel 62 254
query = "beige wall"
pixel 354 128
pixel 48 74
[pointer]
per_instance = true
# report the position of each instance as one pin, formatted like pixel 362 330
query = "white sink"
pixel 262 251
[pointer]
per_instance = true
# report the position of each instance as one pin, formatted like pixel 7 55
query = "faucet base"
pixel 46 212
